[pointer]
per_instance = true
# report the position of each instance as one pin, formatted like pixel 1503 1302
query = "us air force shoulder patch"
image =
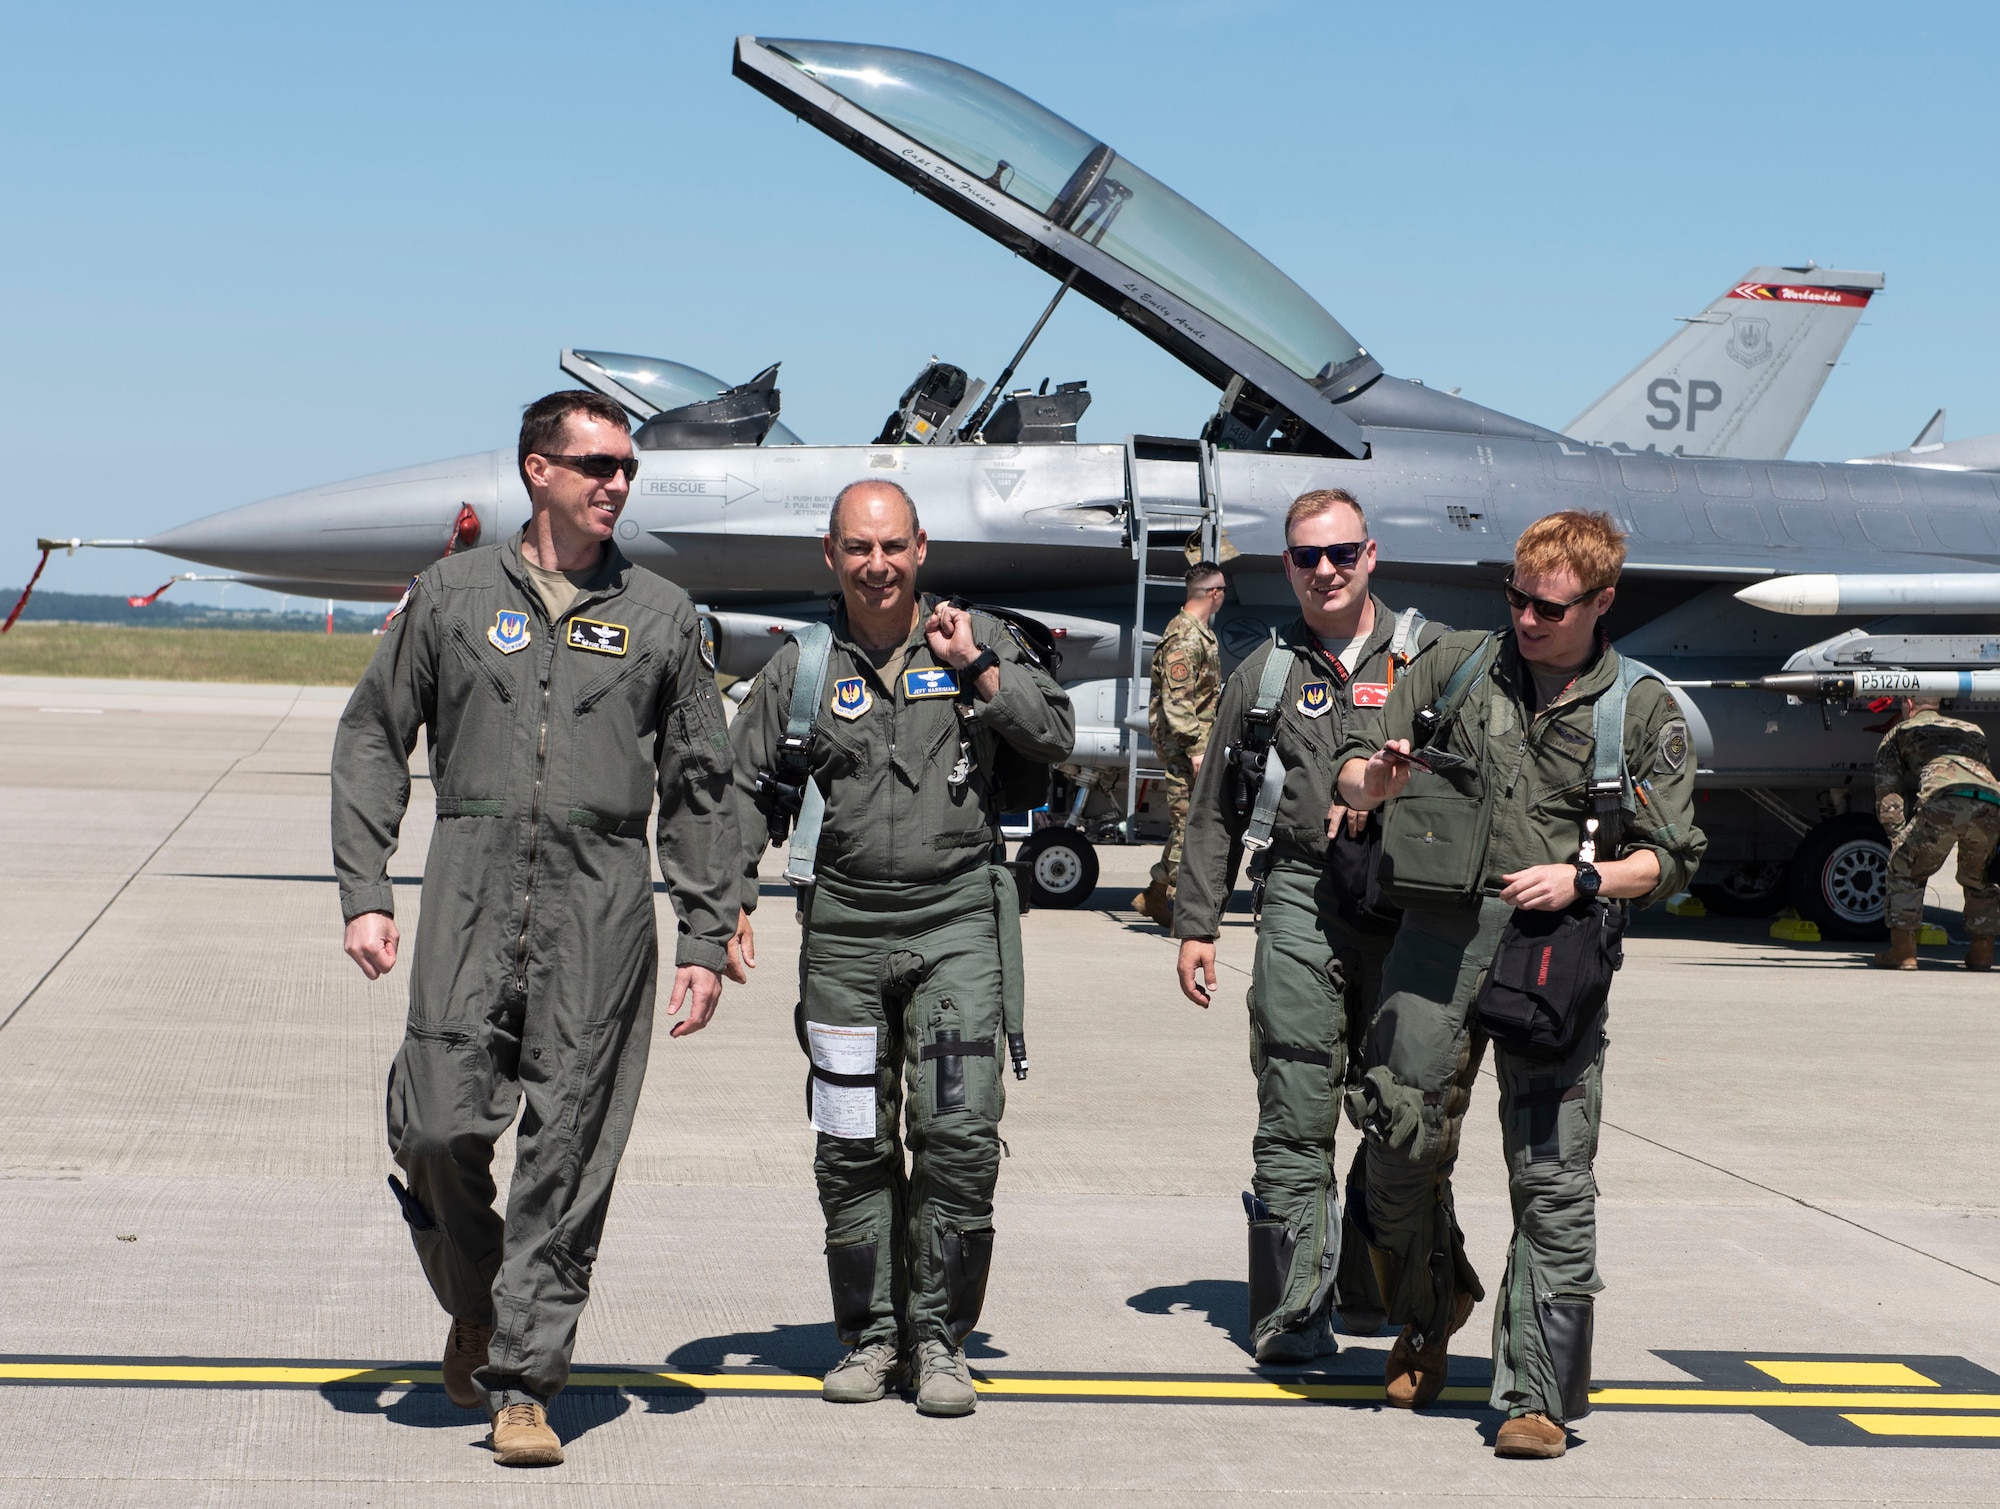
pixel 930 681
pixel 1674 743
pixel 1315 699
pixel 850 698
pixel 599 638
pixel 509 632
pixel 704 639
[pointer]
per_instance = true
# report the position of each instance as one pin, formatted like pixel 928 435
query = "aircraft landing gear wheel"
pixel 1061 866
pixel 1840 877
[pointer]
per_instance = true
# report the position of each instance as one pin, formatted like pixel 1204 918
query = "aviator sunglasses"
pixel 600 467
pixel 1341 556
pixel 1548 612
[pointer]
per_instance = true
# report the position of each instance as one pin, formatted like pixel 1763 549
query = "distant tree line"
pixel 90 608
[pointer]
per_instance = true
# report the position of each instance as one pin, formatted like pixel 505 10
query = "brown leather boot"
pixel 464 1350
pixel 1901 952
pixel 522 1438
pixel 1415 1375
pixel 1533 1435
pixel 1979 954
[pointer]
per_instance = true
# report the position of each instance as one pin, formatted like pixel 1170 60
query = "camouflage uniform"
pixel 1941 763
pixel 1187 684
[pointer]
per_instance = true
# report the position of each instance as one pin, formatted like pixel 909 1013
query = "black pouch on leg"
pixel 1550 978
pixel 1567 1328
pixel 968 1258
pixel 850 1273
pixel 1272 1245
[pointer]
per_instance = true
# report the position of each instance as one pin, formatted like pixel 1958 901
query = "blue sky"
pixel 249 249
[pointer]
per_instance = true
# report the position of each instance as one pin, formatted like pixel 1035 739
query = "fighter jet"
pixel 1021 513
pixel 1979 454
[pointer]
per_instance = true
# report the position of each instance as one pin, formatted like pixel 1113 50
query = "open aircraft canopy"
pixel 1058 196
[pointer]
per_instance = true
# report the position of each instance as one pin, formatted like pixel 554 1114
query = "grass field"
pixel 59 649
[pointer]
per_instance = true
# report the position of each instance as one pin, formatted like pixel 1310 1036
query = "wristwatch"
pixel 1587 879
pixel 979 665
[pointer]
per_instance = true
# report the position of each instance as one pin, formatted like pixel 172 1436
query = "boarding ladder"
pixel 1155 525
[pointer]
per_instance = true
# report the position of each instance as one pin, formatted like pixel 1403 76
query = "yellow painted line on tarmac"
pixel 1928 1425
pixel 1680 1396
pixel 174 1372
pixel 1250 1390
pixel 1846 1374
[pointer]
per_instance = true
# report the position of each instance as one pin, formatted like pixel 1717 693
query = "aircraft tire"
pixel 1839 877
pixel 1062 867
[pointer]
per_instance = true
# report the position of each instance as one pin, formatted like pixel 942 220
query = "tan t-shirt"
pixel 556 589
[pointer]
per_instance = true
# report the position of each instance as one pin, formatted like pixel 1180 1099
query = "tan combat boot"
pixel 944 1383
pixel 1531 1435
pixel 1901 952
pixel 863 1375
pixel 1156 903
pixel 465 1347
pixel 1979 954
pixel 1415 1375
pixel 522 1438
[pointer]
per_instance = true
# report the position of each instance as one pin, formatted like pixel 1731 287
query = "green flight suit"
pixel 1424 1049
pixel 536 958
pixel 1315 973
pixel 912 944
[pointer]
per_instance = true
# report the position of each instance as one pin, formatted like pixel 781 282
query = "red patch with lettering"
pixel 1371 694
pixel 1542 978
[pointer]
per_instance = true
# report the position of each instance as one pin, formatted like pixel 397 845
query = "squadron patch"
pixel 1674 744
pixel 509 632
pixel 851 698
pixel 599 638
pixel 1315 699
pixel 705 640
pixel 930 681
pixel 1179 670
pixel 1371 694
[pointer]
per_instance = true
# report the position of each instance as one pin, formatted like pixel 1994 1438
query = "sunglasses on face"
pixel 1341 556
pixel 1546 611
pixel 599 467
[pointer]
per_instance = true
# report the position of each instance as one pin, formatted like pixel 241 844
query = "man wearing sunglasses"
pixel 1506 824
pixel 560 690
pixel 1314 966
pixel 1187 679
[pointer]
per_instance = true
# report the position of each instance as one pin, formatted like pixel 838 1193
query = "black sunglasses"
pixel 599 467
pixel 1343 555
pixel 1546 611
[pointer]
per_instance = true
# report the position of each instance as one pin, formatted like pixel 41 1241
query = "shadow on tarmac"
pixel 1223 1302
pixel 575 1412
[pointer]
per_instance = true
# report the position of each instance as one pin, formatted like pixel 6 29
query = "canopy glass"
pixel 669 385
pixel 1040 160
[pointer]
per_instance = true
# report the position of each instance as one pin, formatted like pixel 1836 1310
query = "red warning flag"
pixel 26 590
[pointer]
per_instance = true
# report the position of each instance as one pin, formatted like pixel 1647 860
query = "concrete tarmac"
pixel 209 1297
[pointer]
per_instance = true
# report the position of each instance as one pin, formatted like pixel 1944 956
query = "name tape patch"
pixel 598 638
pixel 931 681
pixel 509 632
pixel 1371 694
pixel 851 698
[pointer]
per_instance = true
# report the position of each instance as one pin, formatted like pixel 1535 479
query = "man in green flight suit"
pixel 1187 680
pixel 1504 818
pixel 911 960
pixel 1319 954
pixel 561 689
pixel 1934 789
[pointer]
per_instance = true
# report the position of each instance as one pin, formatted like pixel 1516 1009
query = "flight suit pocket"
pixel 959 1073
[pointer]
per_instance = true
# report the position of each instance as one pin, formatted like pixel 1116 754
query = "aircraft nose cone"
pixel 377 530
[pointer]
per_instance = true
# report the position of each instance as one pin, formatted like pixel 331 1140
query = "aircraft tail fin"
pixel 1739 378
pixel 1931 436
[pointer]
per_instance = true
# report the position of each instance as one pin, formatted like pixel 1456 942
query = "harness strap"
pixel 1262 721
pixel 1610 782
pixel 815 643
pixel 954 1050
pixel 1405 635
pixel 846 1081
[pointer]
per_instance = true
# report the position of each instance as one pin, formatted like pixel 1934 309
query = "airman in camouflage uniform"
pixel 1187 684
pixel 1940 764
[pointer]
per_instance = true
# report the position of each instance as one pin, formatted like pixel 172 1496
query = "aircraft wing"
pixel 1739 378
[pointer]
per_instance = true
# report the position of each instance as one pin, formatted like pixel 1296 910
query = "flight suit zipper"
pixel 535 824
